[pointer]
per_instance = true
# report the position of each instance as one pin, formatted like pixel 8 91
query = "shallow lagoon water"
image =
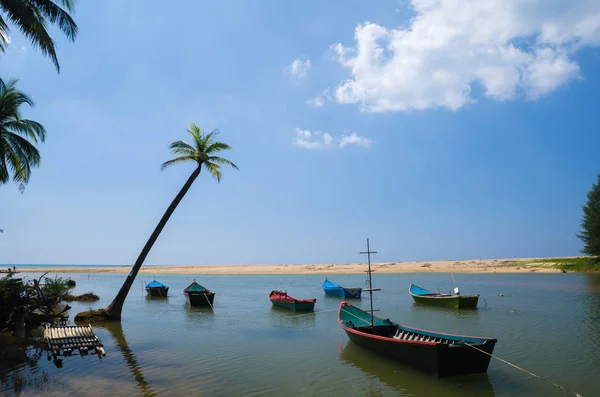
pixel 547 323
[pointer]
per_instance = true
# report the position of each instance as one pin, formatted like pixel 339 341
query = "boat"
pixel 333 289
pixel 432 352
pixel 198 295
pixel 455 300
pixel 156 289
pixel 282 299
pixel 428 351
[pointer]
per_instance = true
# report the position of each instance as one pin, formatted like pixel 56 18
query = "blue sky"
pixel 439 134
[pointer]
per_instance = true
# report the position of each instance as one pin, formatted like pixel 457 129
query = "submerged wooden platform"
pixel 62 340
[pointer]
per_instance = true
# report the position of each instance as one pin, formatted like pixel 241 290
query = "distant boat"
pixel 198 295
pixel 455 300
pixel 282 299
pixel 157 290
pixel 428 351
pixel 333 289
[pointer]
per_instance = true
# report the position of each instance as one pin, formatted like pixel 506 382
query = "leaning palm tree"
pixel 201 152
pixel 17 152
pixel 32 18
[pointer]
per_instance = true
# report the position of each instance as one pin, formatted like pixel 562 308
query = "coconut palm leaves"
pixel 202 151
pixel 32 17
pixel 18 155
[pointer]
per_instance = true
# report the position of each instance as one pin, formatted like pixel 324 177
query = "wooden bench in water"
pixel 62 340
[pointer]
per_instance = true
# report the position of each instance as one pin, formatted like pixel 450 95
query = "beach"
pixel 513 265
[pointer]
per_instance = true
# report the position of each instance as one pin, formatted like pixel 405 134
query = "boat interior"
pixel 391 331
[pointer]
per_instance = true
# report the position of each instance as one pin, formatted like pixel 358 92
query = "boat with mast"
pixel 429 351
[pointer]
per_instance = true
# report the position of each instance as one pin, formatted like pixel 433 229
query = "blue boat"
pixel 156 289
pixel 332 289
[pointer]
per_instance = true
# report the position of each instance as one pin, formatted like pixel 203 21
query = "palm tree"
pixel 201 152
pixel 17 154
pixel 32 18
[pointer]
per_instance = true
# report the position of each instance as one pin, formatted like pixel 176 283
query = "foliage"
pixel 17 152
pixel 32 18
pixel 590 234
pixel 575 264
pixel 39 301
pixel 202 151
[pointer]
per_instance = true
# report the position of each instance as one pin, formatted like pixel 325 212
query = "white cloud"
pixel 317 140
pixel 320 99
pixel 510 48
pixel 298 69
pixel 354 139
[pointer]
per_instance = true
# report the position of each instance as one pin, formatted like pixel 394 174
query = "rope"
pixel 313 313
pixel 209 304
pixel 526 371
pixel 354 315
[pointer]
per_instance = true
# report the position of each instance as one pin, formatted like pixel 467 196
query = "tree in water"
pixel 32 17
pixel 590 234
pixel 17 136
pixel 202 152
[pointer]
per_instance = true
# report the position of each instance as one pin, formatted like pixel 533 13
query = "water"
pixel 547 323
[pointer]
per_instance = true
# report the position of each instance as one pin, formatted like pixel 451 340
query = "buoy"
pixel 501 294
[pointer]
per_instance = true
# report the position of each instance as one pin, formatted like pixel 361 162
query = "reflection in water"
pixel 592 308
pixel 116 331
pixel 409 382
pixel 285 318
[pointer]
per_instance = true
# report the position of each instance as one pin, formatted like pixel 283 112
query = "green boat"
pixel 454 301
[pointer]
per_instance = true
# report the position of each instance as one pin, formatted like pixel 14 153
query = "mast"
pixel 371 289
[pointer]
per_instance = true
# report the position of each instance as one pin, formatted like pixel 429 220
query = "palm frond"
pixel 57 15
pixel 34 130
pixel 214 170
pixel 222 161
pixel 217 147
pixel 177 160
pixel 32 23
pixel 4 38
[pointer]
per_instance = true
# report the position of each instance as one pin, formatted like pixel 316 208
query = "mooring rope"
pixel 526 371
pixel 354 315
pixel 209 304
pixel 313 313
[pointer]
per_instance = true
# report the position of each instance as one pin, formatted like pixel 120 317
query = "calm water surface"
pixel 547 323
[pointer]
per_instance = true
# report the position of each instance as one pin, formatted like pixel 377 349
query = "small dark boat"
pixel 157 290
pixel 198 295
pixel 428 351
pixel 282 299
pixel 333 289
pixel 431 352
pixel 455 300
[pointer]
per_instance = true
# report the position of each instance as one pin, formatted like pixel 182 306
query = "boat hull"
pixel 431 352
pixel 454 302
pixel 340 292
pixel 294 306
pixel 157 292
pixel 200 298
pixel 440 360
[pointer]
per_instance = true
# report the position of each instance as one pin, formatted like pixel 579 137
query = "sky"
pixel 439 129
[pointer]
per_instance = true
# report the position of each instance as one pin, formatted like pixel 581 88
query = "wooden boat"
pixel 198 295
pixel 432 352
pixel 157 290
pixel 333 289
pixel 455 301
pixel 282 299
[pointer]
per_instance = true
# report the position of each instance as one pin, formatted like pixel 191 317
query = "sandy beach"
pixel 516 265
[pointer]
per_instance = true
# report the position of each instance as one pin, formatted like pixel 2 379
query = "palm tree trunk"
pixel 113 311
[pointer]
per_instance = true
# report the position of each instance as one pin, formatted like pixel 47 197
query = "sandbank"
pixel 517 265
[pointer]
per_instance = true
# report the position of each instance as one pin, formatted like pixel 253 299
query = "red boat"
pixel 283 300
